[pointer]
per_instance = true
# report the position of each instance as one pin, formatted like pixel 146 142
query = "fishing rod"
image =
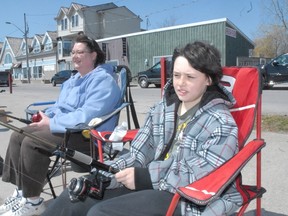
pixel 25 121
pixel 73 155
pixel 93 123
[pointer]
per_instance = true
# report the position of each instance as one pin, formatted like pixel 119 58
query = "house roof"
pixel 14 44
pixel 29 42
pixel 52 35
pixel 38 38
pixel 182 26
pixel 101 7
pixel 75 6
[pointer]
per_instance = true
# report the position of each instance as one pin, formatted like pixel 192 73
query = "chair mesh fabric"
pixel 246 92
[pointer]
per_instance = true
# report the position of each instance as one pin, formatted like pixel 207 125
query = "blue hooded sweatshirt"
pixel 83 98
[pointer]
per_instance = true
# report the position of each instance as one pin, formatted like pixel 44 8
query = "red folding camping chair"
pixel 245 85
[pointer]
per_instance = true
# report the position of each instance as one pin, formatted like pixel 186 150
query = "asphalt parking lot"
pixel 274 156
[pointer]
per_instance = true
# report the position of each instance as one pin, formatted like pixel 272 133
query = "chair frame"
pixel 127 102
pixel 194 191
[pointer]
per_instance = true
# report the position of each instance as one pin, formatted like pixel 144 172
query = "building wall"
pixel 110 23
pixel 235 47
pixel 120 21
pixel 144 48
pixel 92 24
pixel 163 43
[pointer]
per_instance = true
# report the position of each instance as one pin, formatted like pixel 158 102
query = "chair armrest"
pixel 208 188
pixel 43 103
pixel 104 136
pixel 30 111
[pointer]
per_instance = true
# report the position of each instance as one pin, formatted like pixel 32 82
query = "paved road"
pixel 274 155
pixel 275 100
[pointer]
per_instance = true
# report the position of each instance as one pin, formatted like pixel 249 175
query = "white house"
pixel 97 22
pixel 50 52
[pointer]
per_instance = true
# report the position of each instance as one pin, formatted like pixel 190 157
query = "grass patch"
pixel 275 123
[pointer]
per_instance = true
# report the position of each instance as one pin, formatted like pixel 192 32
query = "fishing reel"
pixel 92 185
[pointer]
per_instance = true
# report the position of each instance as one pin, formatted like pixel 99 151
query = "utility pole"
pixel 25 32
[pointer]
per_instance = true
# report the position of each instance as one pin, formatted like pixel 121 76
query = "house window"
pixel 59 48
pixel 36 49
pixel 67 48
pixel 48 46
pixel 36 72
pixel 104 49
pixel 75 22
pixel 24 49
pixel 8 59
pixel 64 24
pixel 124 46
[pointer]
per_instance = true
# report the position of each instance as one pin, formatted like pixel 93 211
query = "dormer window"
pixel 74 20
pixel 8 59
pixel 64 24
pixel 24 49
pixel 48 46
pixel 36 48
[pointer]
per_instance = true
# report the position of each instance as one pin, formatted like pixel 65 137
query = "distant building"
pixel 97 22
pixel 10 48
pixel 42 57
pixel 118 32
pixel 139 51
pixel 50 52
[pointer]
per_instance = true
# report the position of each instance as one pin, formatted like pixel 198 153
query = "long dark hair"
pixel 203 57
pixel 93 46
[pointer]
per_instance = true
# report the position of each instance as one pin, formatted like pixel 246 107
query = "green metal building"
pixel 140 51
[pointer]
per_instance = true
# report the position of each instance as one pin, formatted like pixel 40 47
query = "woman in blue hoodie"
pixel 90 93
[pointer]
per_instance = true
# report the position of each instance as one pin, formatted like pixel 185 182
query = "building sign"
pixel 251 61
pixel 49 67
pixel 230 32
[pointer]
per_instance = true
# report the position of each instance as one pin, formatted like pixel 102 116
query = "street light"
pixel 25 32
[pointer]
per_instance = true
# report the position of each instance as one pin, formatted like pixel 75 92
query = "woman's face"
pixel 189 83
pixel 83 58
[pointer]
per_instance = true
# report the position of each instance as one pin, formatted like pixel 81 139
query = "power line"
pixel 148 23
pixel 171 8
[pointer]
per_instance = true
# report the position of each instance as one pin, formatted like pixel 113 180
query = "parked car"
pixel 4 78
pixel 153 75
pixel 275 71
pixel 62 76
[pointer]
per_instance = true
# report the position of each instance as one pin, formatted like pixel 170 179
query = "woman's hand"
pixel 43 124
pixel 126 177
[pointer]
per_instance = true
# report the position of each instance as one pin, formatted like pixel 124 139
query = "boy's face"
pixel 189 83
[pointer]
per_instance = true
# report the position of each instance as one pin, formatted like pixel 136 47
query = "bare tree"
pixel 279 9
pixel 273 36
pixel 272 43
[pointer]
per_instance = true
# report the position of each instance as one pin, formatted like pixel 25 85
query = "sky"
pixel 245 14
